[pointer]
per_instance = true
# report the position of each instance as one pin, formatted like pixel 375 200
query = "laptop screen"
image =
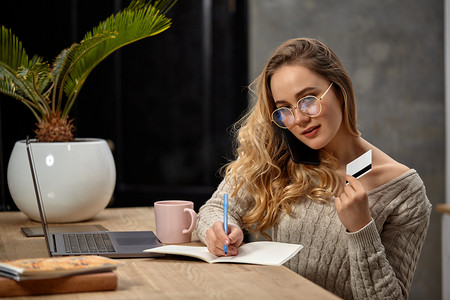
pixel 37 191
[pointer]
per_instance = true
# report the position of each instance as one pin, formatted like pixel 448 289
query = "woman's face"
pixel 289 84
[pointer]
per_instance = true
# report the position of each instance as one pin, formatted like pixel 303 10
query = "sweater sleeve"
pixel 382 262
pixel 212 210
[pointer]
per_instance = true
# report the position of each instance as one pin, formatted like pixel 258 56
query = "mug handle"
pixel 193 220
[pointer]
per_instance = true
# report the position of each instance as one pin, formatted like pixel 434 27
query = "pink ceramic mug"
pixel 175 221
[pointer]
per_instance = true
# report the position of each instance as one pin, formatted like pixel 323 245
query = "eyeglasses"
pixel 309 106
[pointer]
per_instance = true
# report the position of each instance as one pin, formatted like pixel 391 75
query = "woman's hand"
pixel 216 238
pixel 353 205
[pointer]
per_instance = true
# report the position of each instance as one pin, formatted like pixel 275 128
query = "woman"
pixel 361 239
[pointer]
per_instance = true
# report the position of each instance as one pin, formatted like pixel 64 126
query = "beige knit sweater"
pixel 377 262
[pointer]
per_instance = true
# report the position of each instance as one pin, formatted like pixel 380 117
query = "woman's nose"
pixel 299 117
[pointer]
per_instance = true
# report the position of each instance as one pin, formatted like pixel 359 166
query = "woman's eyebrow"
pixel 280 102
pixel 304 91
pixel 298 95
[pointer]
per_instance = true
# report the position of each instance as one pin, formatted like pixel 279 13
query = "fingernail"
pixel 227 242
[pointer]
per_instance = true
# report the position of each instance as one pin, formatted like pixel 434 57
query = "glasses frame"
pixel 291 109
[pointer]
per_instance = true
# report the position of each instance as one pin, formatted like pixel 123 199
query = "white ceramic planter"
pixel 76 179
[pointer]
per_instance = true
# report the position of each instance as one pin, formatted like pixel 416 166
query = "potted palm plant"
pixel 50 91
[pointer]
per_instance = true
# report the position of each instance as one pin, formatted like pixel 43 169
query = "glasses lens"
pixel 310 106
pixel 283 117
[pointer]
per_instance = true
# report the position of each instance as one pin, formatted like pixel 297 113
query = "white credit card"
pixel 360 166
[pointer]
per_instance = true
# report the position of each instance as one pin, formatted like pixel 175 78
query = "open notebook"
pixel 258 253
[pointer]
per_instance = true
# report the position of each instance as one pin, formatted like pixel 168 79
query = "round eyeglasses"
pixel 310 106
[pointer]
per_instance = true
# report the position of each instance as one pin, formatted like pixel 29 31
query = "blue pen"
pixel 225 219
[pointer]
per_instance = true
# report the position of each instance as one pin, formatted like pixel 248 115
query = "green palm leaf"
pixel 14 66
pixel 12 53
pixel 68 58
pixel 139 20
pixel 8 87
pixel 37 78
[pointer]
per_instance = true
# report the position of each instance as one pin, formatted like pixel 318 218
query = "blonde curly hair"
pixel 263 166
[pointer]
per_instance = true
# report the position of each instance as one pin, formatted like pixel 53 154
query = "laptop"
pixel 119 244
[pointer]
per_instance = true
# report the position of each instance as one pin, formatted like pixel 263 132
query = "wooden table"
pixel 167 277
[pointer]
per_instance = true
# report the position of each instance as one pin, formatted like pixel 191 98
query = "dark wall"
pixel 166 102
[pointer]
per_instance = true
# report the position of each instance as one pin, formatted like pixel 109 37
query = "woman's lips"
pixel 311 131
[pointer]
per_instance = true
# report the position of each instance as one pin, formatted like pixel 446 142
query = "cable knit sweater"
pixel 377 262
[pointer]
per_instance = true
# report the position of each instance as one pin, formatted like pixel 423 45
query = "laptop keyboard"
pixel 87 243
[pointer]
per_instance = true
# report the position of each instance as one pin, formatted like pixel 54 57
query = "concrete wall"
pixel 394 53
pixel 446 218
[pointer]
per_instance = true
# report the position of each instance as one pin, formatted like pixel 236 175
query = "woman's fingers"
pixel 353 205
pixel 216 238
pixel 236 236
